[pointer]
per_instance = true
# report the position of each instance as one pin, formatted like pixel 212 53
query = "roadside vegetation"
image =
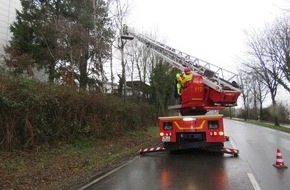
pixel 267 114
pixel 268 125
pixel 35 114
pixel 77 122
pixel 70 164
pixel 265 70
pixel 54 136
pixel 271 126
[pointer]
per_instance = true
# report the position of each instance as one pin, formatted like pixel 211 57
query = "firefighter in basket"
pixel 182 79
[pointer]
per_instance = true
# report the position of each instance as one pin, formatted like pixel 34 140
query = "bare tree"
pixel 258 92
pixel 142 61
pixel 262 92
pixel 119 10
pixel 279 49
pixel 135 55
pixel 263 62
pixel 245 84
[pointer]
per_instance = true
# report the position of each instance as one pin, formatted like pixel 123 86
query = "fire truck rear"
pixel 186 132
pixel 211 89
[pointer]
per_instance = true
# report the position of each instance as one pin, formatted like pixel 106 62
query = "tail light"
pixel 162 134
pixel 216 133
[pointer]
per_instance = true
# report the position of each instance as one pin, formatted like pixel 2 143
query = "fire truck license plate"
pixel 166 139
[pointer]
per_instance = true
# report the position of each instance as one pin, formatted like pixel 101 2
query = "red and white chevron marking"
pixel 230 151
pixel 152 149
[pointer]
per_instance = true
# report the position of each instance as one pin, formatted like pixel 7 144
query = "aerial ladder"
pixel 218 88
pixel 211 88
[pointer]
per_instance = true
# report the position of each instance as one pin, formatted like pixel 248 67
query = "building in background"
pixel 7 16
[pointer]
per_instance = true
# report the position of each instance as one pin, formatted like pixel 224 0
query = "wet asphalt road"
pixel 258 148
pixel 192 170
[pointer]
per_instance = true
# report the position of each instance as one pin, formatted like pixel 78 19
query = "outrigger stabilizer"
pixel 142 151
pixel 232 151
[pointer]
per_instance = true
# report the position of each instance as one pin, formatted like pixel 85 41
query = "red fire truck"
pixel 210 90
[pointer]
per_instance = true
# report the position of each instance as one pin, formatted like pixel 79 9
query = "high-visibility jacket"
pixel 182 81
pixel 183 78
pixel 187 78
pixel 179 77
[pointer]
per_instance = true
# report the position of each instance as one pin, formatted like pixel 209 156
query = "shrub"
pixel 33 113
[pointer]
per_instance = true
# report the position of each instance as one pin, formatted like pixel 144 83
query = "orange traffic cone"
pixel 279 160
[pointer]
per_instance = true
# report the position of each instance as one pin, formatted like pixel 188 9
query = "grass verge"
pixel 69 165
pixel 268 125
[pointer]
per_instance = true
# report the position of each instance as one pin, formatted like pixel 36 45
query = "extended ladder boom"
pixel 211 87
pixel 215 77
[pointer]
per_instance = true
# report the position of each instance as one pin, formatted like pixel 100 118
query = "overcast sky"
pixel 207 29
pixel 212 30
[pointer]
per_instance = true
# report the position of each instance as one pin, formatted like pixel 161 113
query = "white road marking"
pixel 107 174
pixel 253 181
